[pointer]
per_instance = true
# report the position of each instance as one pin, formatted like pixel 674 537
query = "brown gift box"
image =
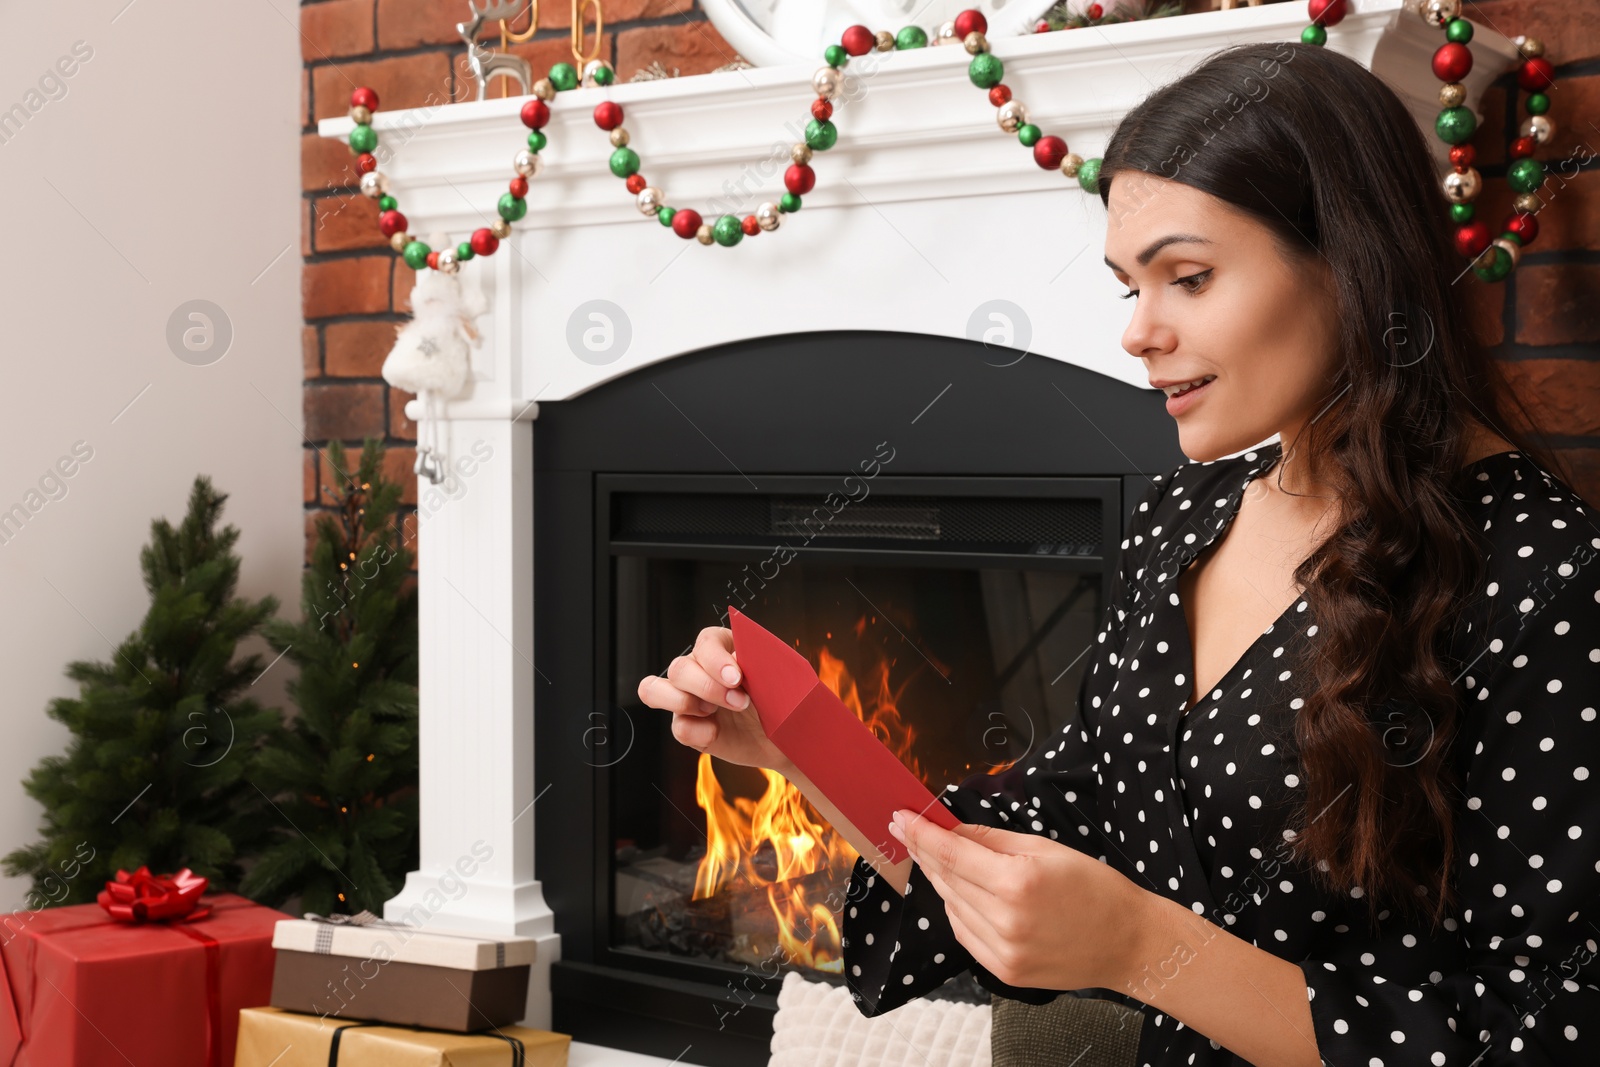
pixel 271 1037
pixel 394 991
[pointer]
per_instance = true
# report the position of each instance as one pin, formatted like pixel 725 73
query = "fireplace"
pixel 646 418
pixel 943 565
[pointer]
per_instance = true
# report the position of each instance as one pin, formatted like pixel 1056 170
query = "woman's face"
pixel 1216 298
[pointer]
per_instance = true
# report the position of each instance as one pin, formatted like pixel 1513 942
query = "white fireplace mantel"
pixel 923 213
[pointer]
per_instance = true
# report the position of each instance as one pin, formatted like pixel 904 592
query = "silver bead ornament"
pixel 827 82
pixel 975 43
pixel 947 33
pixel 1461 187
pixel 1439 12
pixel 374 184
pixel 768 216
pixel 650 200
pixel 1530 47
pixel 1011 115
pixel 544 89
pixel 447 261
pixel 1527 203
pixel 1539 127
pixel 528 164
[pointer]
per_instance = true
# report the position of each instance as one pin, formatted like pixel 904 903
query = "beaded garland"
pixel 1493 259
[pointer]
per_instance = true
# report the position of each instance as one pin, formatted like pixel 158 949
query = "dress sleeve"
pixel 1525 987
pixel 898 948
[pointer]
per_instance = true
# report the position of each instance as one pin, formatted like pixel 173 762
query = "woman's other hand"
pixel 710 713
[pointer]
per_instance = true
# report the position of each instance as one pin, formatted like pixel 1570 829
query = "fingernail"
pixel 730 674
pixel 737 699
pixel 894 828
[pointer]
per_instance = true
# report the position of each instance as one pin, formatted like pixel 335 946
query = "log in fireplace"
pixel 930 520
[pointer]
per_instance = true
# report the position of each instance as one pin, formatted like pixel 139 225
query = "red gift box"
pixel 91 991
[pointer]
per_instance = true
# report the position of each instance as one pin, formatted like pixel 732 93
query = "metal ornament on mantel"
pixel 486 63
pixel 432 353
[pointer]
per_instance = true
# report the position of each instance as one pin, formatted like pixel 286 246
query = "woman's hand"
pixel 1034 912
pixel 709 712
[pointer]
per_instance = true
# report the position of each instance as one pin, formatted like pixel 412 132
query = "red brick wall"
pixel 1544 321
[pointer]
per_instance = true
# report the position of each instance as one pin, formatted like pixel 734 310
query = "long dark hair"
pixel 1322 152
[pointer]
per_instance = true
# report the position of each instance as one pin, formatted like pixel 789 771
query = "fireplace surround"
pixel 938 296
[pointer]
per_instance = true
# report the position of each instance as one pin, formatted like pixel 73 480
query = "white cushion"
pixel 819 1025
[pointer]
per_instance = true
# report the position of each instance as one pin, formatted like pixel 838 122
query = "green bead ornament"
pixel 911 37
pixel 624 161
pixel 821 135
pixel 835 56
pixel 604 75
pixel 564 76
pixel 1525 175
pixel 665 213
pixel 727 231
pixel 1458 31
pixel 537 140
pixel 986 71
pixel 1509 236
pixel 1538 103
pixel 464 251
pixel 1029 134
pixel 1089 175
pixel 1314 34
pixel 788 202
pixel 387 203
pixel 1455 125
pixel 416 255
pixel 1460 214
pixel 511 208
pixel 1498 268
pixel 363 138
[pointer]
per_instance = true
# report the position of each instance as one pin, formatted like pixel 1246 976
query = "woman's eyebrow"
pixel 1157 245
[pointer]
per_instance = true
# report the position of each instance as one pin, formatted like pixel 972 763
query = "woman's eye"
pixel 1198 280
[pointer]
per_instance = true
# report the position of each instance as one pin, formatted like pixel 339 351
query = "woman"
pixel 1328 796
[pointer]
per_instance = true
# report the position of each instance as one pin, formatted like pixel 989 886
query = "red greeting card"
pixel 826 741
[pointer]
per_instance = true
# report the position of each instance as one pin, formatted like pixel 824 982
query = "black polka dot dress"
pixel 1192 803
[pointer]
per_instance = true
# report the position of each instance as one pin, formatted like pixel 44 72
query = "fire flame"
pixel 782 824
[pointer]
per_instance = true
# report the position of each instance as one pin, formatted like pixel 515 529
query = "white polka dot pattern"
pixel 1191 803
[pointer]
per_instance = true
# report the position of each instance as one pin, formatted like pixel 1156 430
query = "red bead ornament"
pixel 366 163
pixel 1462 156
pixel 1327 12
pixel 858 40
pixel 391 223
pixel 821 110
pixel 1523 147
pixel 433 260
pixel 799 179
pixel 686 223
pixel 535 113
pixel 750 226
pixel 1452 62
pixel 608 115
pixel 1524 226
pixel 364 97
pixel 1000 94
pixel 1049 151
pixel 970 21
pixel 1094 11
pixel 1042 27
pixel 519 187
pixel 1536 75
pixel 636 183
pixel 1473 238
pixel 483 242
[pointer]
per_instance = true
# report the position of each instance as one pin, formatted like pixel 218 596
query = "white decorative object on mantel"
pixel 924 214
pixel 773 33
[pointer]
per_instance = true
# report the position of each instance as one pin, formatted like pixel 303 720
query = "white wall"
pixel 164 169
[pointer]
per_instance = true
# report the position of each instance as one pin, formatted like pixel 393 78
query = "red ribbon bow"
pixel 144 897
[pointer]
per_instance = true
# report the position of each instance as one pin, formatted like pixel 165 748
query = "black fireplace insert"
pixel 930 521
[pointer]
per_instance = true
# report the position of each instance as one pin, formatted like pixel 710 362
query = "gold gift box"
pixel 289 1039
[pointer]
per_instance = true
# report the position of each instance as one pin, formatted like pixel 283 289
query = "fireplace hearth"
pixel 944 567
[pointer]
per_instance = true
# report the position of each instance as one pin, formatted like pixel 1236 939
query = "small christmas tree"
pixel 344 775
pixel 162 735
